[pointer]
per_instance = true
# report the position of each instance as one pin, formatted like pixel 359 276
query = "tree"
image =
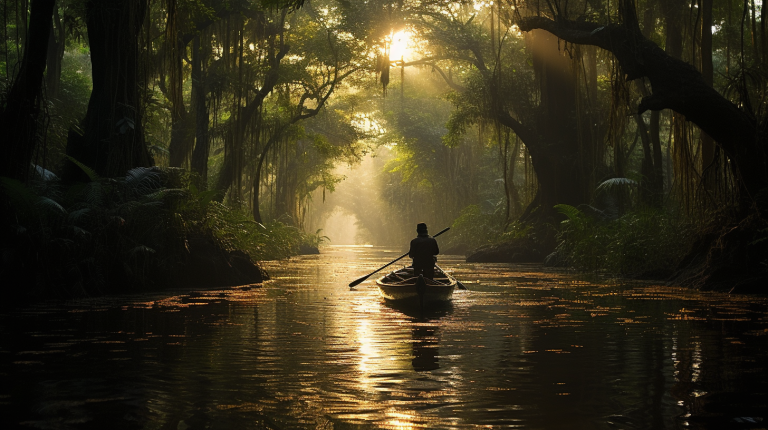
pixel 113 139
pixel 20 112
pixel 675 85
pixel 565 161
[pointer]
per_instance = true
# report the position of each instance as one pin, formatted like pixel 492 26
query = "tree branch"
pixel 675 85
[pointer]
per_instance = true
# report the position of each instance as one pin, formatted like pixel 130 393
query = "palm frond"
pixel 50 206
pixel 80 233
pixel 94 193
pixel 571 212
pixel 44 174
pixel 77 215
pixel 141 249
pixel 92 175
pixel 616 183
pixel 143 180
pixel 168 193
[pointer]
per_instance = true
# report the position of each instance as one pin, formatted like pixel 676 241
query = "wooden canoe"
pixel 401 286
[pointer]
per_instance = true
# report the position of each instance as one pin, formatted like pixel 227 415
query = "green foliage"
pixel 641 241
pixel 474 228
pixel 237 230
pixel 92 175
pixel 126 234
pixel 68 108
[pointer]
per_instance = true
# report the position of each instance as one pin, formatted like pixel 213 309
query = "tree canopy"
pixel 494 117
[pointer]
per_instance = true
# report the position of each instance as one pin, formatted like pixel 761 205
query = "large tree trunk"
pixel 182 136
pixel 18 121
pixel 202 146
pixel 56 45
pixel 113 141
pixel 557 157
pixel 678 86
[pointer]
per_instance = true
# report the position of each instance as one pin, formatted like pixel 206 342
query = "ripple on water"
pixel 523 348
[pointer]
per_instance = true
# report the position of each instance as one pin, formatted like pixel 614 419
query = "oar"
pixel 359 281
pixel 458 283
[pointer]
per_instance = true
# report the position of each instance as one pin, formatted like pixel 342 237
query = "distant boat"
pixel 402 287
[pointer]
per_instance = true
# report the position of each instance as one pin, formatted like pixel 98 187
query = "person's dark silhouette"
pixel 423 252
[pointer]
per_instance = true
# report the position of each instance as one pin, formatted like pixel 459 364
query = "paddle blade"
pixel 460 285
pixel 358 281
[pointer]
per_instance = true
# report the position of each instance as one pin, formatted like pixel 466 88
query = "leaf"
pixel 141 249
pixel 48 204
pixel 21 195
pixel 124 125
pixel 206 196
pixel 44 174
pixel 80 232
pixel 92 175
pixel 616 183
pixel 571 212
pixel 143 180
pixel 75 216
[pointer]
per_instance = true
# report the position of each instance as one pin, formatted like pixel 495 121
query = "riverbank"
pixel 150 230
pixel 649 244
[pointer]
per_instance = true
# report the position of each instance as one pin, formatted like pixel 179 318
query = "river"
pixel 521 348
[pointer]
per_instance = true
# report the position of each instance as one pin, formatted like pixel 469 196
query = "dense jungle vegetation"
pixel 149 143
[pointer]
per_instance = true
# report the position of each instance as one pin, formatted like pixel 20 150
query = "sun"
pixel 400 45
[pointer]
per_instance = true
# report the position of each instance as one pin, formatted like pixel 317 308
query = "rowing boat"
pixel 401 286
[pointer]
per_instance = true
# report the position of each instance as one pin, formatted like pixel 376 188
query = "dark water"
pixel 522 349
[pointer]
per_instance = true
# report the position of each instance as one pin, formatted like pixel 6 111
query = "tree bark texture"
pixel 678 86
pixel 56 45
pixel 182 137
pixel 18 121
pixel 113 139
pixel 563 165
pixel 200 154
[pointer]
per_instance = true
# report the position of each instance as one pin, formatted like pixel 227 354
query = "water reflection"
pixel 425 346
pixel 523 349
pixel 425 329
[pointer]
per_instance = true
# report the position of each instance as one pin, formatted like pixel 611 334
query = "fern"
pixel 92 175
pixel 571 212
pixel 143 180
pixel 50 206
pixel 94 193
pixel 78 215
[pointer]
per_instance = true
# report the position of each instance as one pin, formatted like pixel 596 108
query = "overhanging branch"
pixel 675 85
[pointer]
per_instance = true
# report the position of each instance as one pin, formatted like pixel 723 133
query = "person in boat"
pixel 424 252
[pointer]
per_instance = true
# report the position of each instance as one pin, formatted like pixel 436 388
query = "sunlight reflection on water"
pixel 524 348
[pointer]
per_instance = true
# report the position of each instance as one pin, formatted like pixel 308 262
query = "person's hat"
pixel 421 227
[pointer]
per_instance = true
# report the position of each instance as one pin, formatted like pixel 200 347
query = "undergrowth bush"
pixel 119 234
pixel 473 229
pixel 273 240
pixel 644 241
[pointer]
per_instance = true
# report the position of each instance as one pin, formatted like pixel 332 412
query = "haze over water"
pixel 522 348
